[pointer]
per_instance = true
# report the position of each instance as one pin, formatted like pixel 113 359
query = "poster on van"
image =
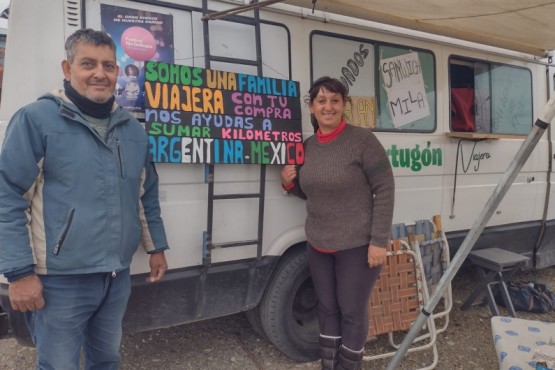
pixel 139 36
pixel 404 84
pixel 196 115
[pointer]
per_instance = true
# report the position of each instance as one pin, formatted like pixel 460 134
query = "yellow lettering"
pixel 231 81
pixel 153 99
pixel 210 80
pixel 206 97
pixel 195 92
pixel 218 104
pixel 174 98
pixel 186 104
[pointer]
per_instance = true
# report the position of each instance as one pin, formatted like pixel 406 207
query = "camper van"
pixel 450 113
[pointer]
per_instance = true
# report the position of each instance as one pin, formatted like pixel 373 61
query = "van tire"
pixel 288 309
pixel 253 317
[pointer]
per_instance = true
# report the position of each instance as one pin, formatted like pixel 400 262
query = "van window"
pixel 352 61
pixel 489 97
pixel 399 95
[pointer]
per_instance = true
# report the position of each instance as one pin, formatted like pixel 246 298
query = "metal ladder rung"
pixel 237 196
pixel 249 62
pixel 234 244
pixel 238 9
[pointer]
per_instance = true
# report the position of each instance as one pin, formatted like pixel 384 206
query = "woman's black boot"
pixel 349 359
pixel 329 349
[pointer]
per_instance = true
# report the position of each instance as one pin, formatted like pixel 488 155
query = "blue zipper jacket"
pixel 69 202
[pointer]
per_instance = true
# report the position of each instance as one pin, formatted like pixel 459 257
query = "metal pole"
pixel 542 123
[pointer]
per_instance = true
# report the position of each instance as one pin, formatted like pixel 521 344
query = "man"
pixel 78 194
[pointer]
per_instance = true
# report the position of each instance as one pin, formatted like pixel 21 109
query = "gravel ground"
pixel 230 343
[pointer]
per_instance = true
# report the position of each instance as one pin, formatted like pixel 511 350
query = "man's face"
pixel 93 72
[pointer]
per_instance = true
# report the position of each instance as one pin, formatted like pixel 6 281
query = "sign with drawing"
pixel 404 84
pixel 139 36
pixel 196 115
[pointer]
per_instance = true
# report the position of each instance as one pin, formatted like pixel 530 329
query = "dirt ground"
pixel 229 342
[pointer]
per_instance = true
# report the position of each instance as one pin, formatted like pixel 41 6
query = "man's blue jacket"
pixel 69 202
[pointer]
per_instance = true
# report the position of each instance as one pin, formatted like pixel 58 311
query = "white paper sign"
pixel 404 84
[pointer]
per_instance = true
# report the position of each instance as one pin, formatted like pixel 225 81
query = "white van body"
pixel 437 171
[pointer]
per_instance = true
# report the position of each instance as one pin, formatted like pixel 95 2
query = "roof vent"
pixel 72 16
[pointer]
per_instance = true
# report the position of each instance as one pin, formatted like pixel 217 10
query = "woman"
pixel 348 185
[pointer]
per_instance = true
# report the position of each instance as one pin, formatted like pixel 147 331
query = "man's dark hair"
pixel 87 36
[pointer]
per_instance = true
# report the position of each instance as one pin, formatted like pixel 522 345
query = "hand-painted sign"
pixel 196 115
pixel 403 81
pixel 362 111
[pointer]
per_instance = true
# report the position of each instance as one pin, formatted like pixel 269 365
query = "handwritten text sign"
pixel 403 81
pixel 196 115
pixel 362 111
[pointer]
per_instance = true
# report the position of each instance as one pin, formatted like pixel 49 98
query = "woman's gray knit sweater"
pixel 349 190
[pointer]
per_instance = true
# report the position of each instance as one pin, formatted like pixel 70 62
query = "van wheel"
pixel 288 310
pixel 253 317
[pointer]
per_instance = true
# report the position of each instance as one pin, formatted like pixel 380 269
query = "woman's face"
pixel 327 108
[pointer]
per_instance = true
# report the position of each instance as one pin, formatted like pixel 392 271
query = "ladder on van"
pixel 210 176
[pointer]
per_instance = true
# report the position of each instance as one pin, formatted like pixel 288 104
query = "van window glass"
pixel 352 60
pixel 489 97
pixel 511 100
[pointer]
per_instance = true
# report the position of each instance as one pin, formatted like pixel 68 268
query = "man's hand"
pixel 158 267
pixel 376 255
pixel 26 294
